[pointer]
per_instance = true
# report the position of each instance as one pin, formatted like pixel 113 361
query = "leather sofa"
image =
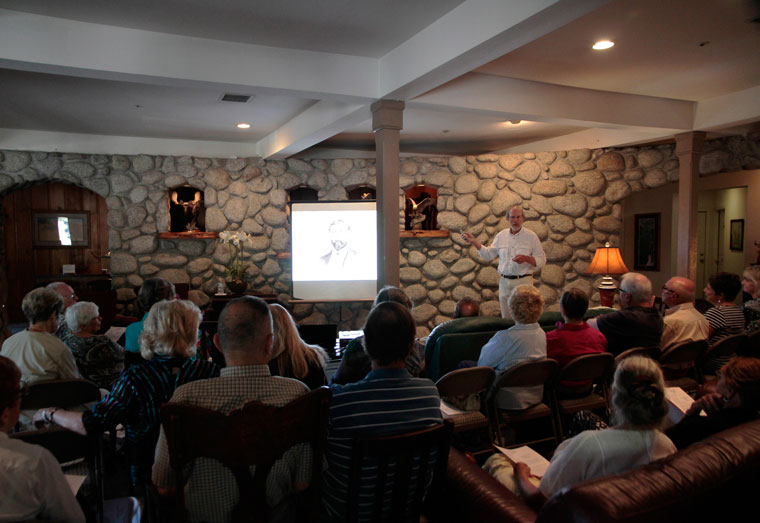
pixel 462 338
pixel 714 480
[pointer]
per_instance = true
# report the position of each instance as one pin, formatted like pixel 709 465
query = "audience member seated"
pixel 388 401
pixel 33 484
pixel 725 317
pixel 168 343
pixel 638 399
pixel 291 356
pixel 355 363
pixel 99 359
pixel 573 337
pixel 736 400
pixel 682 321
pixel 751 308
pixel 638 324
pixel 466 308
pixel 152 291
pixel 524 341
pixel 69 298
pixel 245 338
pixel 36 351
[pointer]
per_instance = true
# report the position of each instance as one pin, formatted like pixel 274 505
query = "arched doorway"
pixel 24 261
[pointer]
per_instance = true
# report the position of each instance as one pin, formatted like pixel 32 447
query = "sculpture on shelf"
pixel 186 210
pixel 420 209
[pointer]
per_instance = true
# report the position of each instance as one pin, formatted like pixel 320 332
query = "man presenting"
pixel 245 339
pixel 682 321
pixel 520 255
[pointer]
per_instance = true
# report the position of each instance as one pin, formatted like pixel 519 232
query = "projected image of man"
pixel 341 256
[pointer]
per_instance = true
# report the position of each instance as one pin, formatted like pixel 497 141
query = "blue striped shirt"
pixel 135 400
pixel 387 401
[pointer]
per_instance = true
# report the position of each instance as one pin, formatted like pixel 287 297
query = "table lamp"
pixel 607 260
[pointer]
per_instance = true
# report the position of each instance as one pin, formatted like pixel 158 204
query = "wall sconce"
pixel 607 260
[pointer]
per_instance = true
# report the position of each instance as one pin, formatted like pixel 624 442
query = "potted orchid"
pixel 235 270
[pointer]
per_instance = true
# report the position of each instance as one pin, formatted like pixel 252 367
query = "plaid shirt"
pixel 211 491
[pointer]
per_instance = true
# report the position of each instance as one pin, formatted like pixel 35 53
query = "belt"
pixel 516 277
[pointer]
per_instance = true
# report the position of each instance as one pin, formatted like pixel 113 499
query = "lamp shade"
pixel 607 260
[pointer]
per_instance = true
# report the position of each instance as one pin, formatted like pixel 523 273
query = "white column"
pixel 387 122
pixel 689 150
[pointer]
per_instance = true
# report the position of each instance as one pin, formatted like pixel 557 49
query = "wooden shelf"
pixel 189 235
pixel 441 233
pixel 283 255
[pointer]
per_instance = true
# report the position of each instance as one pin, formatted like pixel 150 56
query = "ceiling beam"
pixel 550 103
pixel 728 110
pixel 592 139
pixel 472 34
pixel 317 123
pixel 30 140
pixel 53 45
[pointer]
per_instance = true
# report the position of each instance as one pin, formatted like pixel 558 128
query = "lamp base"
pixel 607 296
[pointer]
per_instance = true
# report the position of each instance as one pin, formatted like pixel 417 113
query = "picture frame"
pixel 736 235
pixel 61 229
pixel 646 247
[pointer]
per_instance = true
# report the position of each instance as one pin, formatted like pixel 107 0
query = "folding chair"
pixel 591 368
pixel 473 381
pixel 679 365
pixel 526 374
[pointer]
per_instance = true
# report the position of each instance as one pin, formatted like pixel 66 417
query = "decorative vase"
pixel 237 286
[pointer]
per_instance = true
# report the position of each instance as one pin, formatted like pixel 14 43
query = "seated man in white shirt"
pixel 33 484
pixel 682 321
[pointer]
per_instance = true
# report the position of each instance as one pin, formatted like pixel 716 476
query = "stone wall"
pixel 571 200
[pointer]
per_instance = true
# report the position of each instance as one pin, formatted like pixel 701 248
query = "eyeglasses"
pixel 625 291
pixel 669 290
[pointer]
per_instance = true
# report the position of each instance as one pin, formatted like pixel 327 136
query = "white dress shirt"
pixel 507 245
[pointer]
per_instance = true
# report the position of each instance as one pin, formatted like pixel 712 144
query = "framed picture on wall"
pixel 61 229
pixel 736 242
pixel 646 247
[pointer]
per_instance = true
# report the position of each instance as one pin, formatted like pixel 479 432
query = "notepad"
pixel 537 463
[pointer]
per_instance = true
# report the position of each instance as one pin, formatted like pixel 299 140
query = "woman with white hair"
pixel 167 343
pixel 99 359
pixel 524 341
pixel 639 406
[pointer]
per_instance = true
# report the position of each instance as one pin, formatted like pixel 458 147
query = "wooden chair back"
pixel 724 348
pixel 751 345
pixel 528 374
pixel 463 382
pixel 594 368
pixel 255 434
pixel 684 354
pixel 647 352
pixel 410 457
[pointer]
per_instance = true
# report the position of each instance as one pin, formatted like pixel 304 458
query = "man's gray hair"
pixel 638 285
pixel 54 286
pixel 39 304
pixel 80 314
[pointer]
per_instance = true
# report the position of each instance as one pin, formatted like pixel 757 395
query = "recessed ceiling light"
pixel 243 125
pixel 602 44
pixel 514 122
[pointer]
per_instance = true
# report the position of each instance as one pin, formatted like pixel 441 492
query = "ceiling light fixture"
pixel 602 44
pixel 243 125
pixel 514 122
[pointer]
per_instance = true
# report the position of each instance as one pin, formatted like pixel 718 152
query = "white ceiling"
pixel 148 76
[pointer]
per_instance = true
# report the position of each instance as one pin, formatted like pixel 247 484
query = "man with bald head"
pixel 245 338
pixel 637 324
pixel 66 292
pixel 520 255
pixel 682 321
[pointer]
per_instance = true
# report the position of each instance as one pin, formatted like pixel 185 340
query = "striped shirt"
pixel 387 401
pixel 212 491
pixel 135 400
pixel 725 321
